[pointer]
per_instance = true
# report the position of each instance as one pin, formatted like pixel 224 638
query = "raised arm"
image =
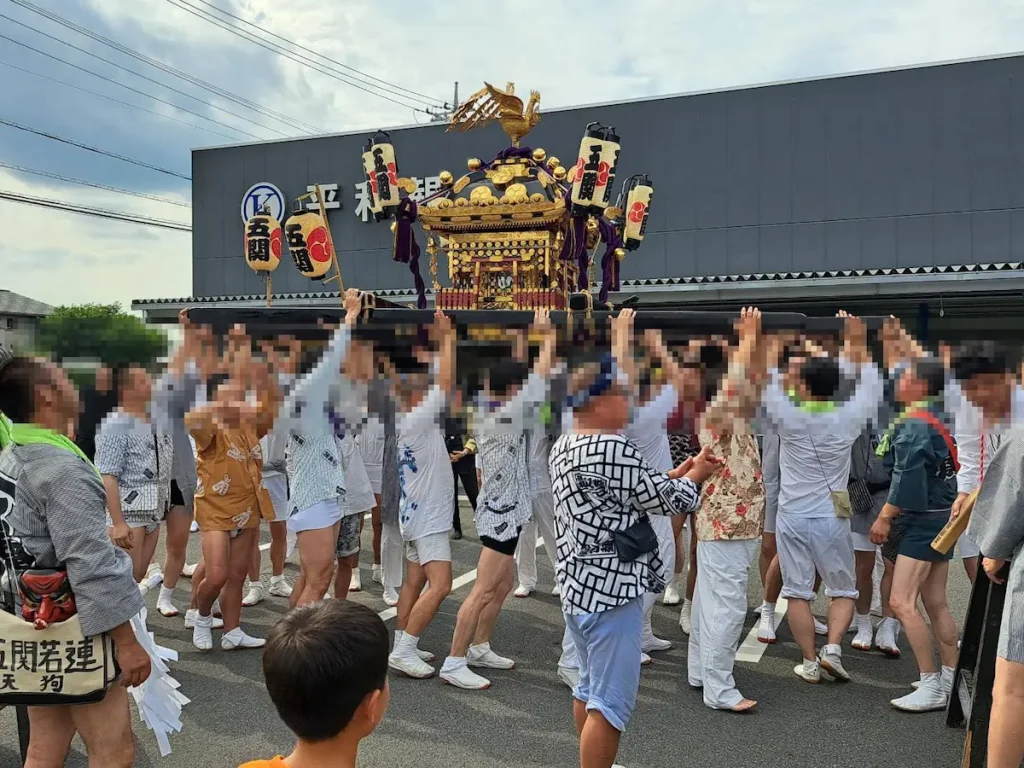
pixel 313 391
pixel 622 346
pixel 739 393
pixel 269 398
pixel 674 372
pixel 446 339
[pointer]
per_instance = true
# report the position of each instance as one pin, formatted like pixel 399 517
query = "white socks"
pixel 405 645
pixel 165 596
pixel 235 635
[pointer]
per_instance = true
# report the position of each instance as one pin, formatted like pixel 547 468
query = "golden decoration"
pixel 560 173
pixel 480 195
pixel 570 176
pixel 553 162
pixel 537 197
pixel 408 186
pixel 474 163
pixel 446 178
pixel 612 213
pixel 461 184
pixel 460 202
pixel 504 200
pixel 490 104
pixel 501 178
pixel 394 226
pixel 516 191
pixel 620 253
pixel 539 155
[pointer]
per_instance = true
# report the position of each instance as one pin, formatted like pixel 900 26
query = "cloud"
pixel 573 52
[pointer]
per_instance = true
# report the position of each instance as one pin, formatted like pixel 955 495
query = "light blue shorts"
pixel 608 644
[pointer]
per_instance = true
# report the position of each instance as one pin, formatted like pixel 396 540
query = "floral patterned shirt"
pixel 732 505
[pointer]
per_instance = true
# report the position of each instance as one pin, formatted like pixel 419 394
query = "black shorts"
pixel 177 499
pixel 502 547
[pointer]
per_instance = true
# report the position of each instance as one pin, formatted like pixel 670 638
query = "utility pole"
pixel 444 113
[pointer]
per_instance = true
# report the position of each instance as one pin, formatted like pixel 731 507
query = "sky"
pixel 574 52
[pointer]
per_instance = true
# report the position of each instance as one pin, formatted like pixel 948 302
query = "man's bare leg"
pixel 1005 736
pixel 106 730
pixel 51 730
pixel 316 553
pixel 599 742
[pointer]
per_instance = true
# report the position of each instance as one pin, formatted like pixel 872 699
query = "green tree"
pixel 100 332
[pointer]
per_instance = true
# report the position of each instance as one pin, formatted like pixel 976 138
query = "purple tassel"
pixel 407 250
pixel 609 266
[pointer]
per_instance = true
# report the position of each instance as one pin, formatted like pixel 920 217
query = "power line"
pixel 145 77
pixel 83 183
pixel 393 86
pixel 274 48
pixel 111 98
pixel 86 210
pixel 93 149
pixel 259 109
pixel 127 87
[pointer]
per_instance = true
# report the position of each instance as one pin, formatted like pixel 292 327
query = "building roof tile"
pixel 407 294
pixel 15 304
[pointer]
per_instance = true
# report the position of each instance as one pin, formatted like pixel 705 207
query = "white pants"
pixel 719 609
pixel 392 555
pixel 570 658
pixel 811 545
pixel 526 552
pixel 662 526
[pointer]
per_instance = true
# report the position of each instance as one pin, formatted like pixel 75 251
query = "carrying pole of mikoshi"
pixel 330 242
pixel 270 292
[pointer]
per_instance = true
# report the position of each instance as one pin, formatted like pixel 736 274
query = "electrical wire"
pixel 423 98
pixel 86 147
pixel 83 183
pixel 274 48
pixel 128 87
pixel 86 210
pixel 259 109
pixel 111 98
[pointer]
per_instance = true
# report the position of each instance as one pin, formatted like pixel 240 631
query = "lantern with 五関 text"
pixel 638 193
pixel 381 168
pixel 594 173
pixel 309 243
pixel 263 242
pixel 263 246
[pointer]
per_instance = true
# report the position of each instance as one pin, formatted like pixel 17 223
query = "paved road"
pixel 525 718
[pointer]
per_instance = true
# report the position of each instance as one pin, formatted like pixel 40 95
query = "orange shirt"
pixel 229 464
pixel 277 762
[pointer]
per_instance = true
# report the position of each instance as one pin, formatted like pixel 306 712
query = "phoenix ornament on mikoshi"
pixel 490 104
pixel 520 231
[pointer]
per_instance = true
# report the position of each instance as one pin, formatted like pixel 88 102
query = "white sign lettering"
pixel 331 201
pixel 424 189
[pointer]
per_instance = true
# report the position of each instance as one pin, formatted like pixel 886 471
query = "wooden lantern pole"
pixel 330 242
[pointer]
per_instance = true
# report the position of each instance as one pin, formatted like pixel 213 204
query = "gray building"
pixel 19 321
pixel 897 191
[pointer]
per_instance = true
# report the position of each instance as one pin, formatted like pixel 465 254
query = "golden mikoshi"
pixel 520 231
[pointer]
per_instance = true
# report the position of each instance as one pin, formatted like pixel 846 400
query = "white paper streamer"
pixel 158 699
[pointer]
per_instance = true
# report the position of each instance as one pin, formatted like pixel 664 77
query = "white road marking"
pixel 751 650
pixel 458 583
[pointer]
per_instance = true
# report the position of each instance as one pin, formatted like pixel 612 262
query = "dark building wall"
pixel 907 168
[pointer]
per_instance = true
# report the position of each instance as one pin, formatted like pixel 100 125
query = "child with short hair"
pixel 326 670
